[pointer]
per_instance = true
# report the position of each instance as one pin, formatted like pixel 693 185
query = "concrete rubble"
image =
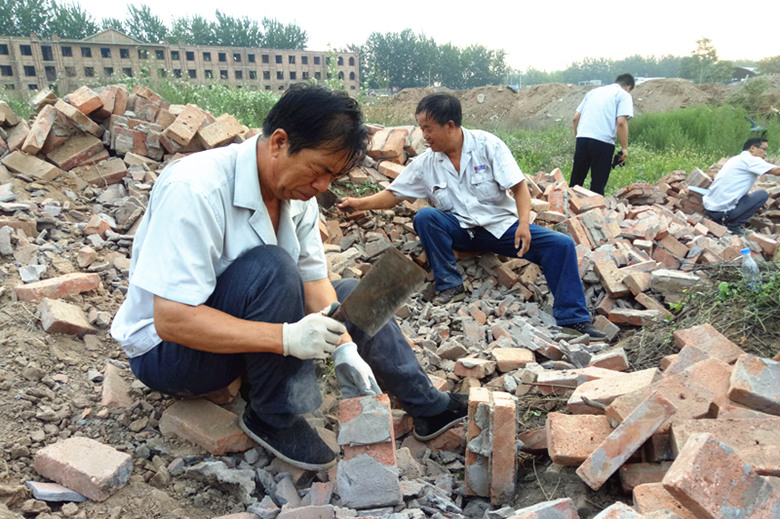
pixel 75 180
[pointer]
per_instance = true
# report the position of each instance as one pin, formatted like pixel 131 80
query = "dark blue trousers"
pixel 264 285
pixel 747 206
pixel 440 233
pixel 596 156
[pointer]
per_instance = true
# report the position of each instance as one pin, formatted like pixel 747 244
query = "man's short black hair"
pixel 442 108
pixel 753 141
pixel 625 80
pixel 317 117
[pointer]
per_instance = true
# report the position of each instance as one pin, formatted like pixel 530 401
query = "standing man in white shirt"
pixel 728 201
pixel 603 113
pixel 469 175
pixel 229 279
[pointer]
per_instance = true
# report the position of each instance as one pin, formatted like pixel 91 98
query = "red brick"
pixel 503 459
pixel 687 357
pixel 711 480
pixel 97 225
pixel 379 407
pixel 625 440
pixel 28 227
pixel 510 359
pixel 619 510
pixel 634 474
pixel 225 395
pixel 205 424
pixel 390 169
pixel 706 337
pixel 578 233
pixel 474 462
pixel 85 99
pixel 611 279
pixel 89 467
pixel 39 130
pixel 651 303
pixel 558 382
pixel 572 438
pixel 534 440
pixel 559 509
pixel 606 390
pixel 59 287
pixel 186 125
pixel 637 282
pixel 756 441
pixel 755 383
pixel 393 148
pixel 78 119
pixel 451 440
pixel 653 497
pixel 60 317
pixel 614 359
pixel 474 367
pixel 220 132
pixel 103 173
pixel 20 162
pixel 116 392
pixel 78 151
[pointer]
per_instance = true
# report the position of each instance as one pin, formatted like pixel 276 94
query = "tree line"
pixel 70 21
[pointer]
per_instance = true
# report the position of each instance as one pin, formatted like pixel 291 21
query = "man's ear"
pixel 278 142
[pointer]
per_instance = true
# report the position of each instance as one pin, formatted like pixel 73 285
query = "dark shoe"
pixel 298 445
pixel 584 328
pixel 736 229
pixel 429 427
pixel 450 295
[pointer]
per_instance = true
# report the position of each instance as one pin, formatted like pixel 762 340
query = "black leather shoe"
pixel 450 295
pixel 429 427
pixel 585 328
pixel 299 445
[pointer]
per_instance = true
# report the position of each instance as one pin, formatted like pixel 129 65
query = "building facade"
pixel 28 64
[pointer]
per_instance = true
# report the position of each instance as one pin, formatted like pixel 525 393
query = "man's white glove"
pixel 354 374
pixel 313 337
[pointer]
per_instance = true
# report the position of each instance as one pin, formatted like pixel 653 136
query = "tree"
pixel 70 21
pixel 769 65
pixel 194 30
pixel 279 36
pixel 113 23
pixel 481 66
pixel 144 25
pixel 703 65
pixel 237 32
pixel 447 67
pixel 29 16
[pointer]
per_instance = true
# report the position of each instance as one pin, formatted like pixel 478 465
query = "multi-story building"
pixel 33 63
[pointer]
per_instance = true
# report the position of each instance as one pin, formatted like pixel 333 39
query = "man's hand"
pixel 313 337
pixel 624 152
pixel 349 202
pixel 522 237
pixel 354 374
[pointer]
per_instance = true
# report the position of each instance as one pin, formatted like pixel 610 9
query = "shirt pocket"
pixel 442 198
pixel 485 186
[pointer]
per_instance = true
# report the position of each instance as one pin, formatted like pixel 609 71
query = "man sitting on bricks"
pixel 728 201
pixel 229 278
pixel 469 175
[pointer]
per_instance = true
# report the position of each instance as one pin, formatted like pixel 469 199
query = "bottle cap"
pixel 745 251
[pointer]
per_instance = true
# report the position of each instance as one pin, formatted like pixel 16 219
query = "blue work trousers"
pixel 264 284
pixel 440 233
pixel 746 207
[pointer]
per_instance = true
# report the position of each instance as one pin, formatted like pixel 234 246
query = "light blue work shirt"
pixel 599 111
pixel 477 194
pixel 205 211
pixel 734 180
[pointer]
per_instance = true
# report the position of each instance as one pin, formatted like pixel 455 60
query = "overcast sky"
pixel 546 35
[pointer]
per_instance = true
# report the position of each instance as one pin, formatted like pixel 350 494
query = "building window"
pixel 352 87
pixel 70 71
pixel 46 53
pixel 6 70
pixel 279 75
pixel 159 54
pixel 239 74
pixel 29 71
pixel 281 87
pixel 108 71
pixel 222 57
pixel 124 53
pixel 175 54
pixel 305 75
pixel 278 58
pixel 190 55
pixel 304 60
pixel 267 87
pixel 89 72
pixel 252 74
pixel 26 50
pixel 316 60
pixel 318 75
pixel 208 74
pixel 206 56
pixel 51 73
pixel 291 60
pixel 32 86
pixel 161 72
pixel 3 49
pixel 341 76
pixel 351 62
pixel 266 74
pixel 293 76
pixel 352 76
pixel 9 86
pixel 143 54
pixel 177 73
pixel 86 52
pixel 192 73
pixel 105 52
pixel 223 74
pixel 340 61
pixel 127 71
pixel 266 58
pixel 251 58
pixel 67 52
pixel 236 57
pixel 327 60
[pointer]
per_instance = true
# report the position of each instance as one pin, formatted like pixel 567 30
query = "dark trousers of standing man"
pixel 596 156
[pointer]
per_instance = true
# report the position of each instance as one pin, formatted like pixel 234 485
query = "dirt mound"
pixel 661 95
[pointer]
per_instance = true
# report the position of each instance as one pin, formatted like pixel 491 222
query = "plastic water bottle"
pixel 750 270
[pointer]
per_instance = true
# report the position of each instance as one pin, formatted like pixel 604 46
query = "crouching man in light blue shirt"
pixel 469 175
pixel 229 279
